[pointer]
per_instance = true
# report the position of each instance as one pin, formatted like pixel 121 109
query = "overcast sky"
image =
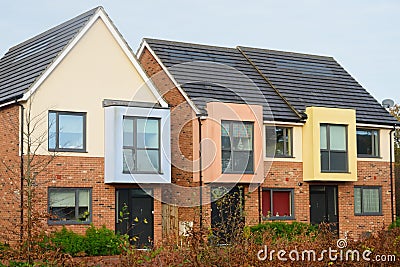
pixel 362 35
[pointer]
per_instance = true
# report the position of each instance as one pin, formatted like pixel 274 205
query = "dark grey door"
pixel 135 216
pixel 226 212
pixel 324 205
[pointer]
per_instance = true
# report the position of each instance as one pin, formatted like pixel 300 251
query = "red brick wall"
pixel 289 174
pixel 9 173
pixel 183 119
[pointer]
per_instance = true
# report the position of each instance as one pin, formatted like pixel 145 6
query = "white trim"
pixel 165 69
pixel 284 123
pixel 8 103
pixel 99 14
pixel 364 125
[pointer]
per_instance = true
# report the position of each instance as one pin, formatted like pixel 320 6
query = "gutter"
pixel 21 169
pixel 391 144
pixel 200 118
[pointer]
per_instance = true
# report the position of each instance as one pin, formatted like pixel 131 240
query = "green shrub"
pixel 96 242
pixel 103 241
pixel 285 230
pixel 395 224
pixel 69 241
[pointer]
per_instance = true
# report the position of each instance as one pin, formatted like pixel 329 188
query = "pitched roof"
pixel 209 73
pixel 289 82
pixel 23 64
pixel 309 80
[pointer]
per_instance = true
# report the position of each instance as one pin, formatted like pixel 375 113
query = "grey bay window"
pixel 141 145
pixel 69 205
pixel 67 131
pixel 279 141
pixel 237 146
pixel 367 200
pixel 333 145
pixel 367 143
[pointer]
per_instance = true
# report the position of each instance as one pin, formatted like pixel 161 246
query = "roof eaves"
pixel 146 45
pixel 301 116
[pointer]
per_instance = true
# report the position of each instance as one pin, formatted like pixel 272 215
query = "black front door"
pixel 226 212
pixel 324 206
pixel 135 216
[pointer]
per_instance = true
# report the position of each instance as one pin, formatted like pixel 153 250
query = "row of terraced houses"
pixel 163 133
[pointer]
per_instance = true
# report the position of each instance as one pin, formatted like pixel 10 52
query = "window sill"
pixel 238 172
pixel 368 157
pixel 279 218
pixel 160 173
pixel 49 222
pixel 68 150
pixel 369 214
pixel 336 172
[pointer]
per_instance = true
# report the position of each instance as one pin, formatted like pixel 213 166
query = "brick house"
pixel 99 119
pixel 295 133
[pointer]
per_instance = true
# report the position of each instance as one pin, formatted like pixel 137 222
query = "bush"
pixel 285 230
pixel 69 242
pixel 103 241
pixel 96 242
pixel 395 224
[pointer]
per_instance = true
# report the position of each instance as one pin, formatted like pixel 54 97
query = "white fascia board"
pixel 364 125
pixel 284 123
pixel 110 26
pixel 165 69
pixel 9 103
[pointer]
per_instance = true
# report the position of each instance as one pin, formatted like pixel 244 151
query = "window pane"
pixel 225 128
pixel 357 200
pixel 289 141
pixel 226 161
pixel 52 130
pixel 324 160
pixel 128 132
pixel 323 137
pixel 147 160
pixel 280 142
pixel 226 142
pixel 62 204
pixel 281 203
pixel 58 198
pixel 83 198
pixel 375 139
pixel 266 203
pixel 128 160
pixel 242 137
pixel 242 161
pixel 147 133
pixel 270 141
pixel 337 137
pixel 70 131
pixel 370 200
pixel 364 142
pixel 338 161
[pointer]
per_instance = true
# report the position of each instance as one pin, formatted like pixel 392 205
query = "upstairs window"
pixel 237 146
pixel 333 147
pixel 141 144
pixel 67 131
pixel 279 141
pixel 367 143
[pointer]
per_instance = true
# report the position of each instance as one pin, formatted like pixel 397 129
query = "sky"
pixel 362 35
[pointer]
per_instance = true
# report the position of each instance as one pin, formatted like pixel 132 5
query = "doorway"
pixel 324 206
pixel 134 215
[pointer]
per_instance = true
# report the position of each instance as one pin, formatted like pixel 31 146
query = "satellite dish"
pixel 387 103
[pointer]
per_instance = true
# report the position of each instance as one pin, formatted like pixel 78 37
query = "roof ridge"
pixel 189 44
pixel 91 12
pixel 286 52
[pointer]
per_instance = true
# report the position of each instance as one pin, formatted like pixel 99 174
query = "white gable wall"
pixel 95 69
